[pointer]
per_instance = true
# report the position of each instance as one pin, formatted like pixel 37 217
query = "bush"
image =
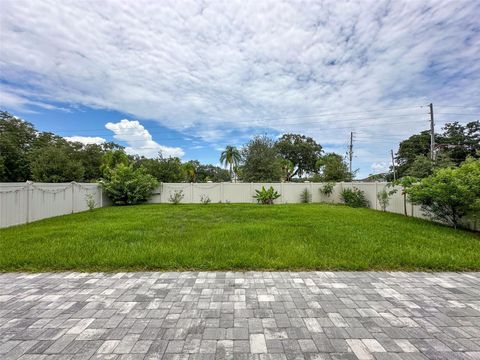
pixel 205 199
pixel 354 198
pixel 266 197
pixel 383 199
pixel 176 197
pixel 126 185
pixel 305 196
pixel 327 189
pixel 450 194
pixel 90 200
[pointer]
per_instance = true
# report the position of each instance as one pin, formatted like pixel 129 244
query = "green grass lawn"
pixel 237 237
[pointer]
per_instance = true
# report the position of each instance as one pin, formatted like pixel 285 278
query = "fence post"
pixel 222 195
pixel 99 188
pixel 282 189
pixel 29 183
pixel 376 195
pixel 73 196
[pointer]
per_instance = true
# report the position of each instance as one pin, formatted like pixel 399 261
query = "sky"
pixel 186 78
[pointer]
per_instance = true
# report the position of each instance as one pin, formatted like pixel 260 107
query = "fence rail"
pixel 25 202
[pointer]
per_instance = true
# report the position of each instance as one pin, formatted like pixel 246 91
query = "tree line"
pixel 27 154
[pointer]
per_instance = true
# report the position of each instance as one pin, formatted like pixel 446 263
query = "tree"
pixel 55 164
pixel 190 170
pixel 454 145
pixel 261 162
pixel 91 157
pixel 409 149
pixel 126 185
pixel 459 141
pixel 212 173
pixel 450 194
pixel 111 160
pixel 231 157
pixel 16 137
pixel 163 169
pixel 332 167
pixel 405 183
pixel 301 151
pixel 421 167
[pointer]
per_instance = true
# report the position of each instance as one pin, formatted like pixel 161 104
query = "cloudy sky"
pixel 188 77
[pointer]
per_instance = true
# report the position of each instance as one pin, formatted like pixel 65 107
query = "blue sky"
pixel 188 77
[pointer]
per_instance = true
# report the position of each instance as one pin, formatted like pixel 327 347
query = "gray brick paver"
pixel 250 315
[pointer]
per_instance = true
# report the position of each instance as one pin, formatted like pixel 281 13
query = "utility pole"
pixel 393 166
pixel 432 134
pixel 350 151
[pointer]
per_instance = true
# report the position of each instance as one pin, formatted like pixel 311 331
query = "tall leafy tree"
pixel 460 141
pixel 230 157
pixel 56 164
pixel 409 149
pixel 16 138
pixel 168 169
pixel 332 167
pixel 111 160
pixel 212 173
pixel 454 145
pixel 301 151
pixel 261 161
pixel 190 169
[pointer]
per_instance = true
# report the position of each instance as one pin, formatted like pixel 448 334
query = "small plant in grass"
pixel 306 196
pixel 266 196
pixel 354 198
pixel 204 199
pixel 383 198
pixel 176 197
pixel 90 200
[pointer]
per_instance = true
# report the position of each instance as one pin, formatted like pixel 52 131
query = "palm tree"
pixel 231 157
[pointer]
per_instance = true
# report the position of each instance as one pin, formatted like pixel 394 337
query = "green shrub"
pixel 383 198
pixel 305 196
pixel 176 197
pixel 450 194
pixel 126 185
pixel 354 198
pixel 265 196
pixel 327 189
pixel 90 200
pixel 205 199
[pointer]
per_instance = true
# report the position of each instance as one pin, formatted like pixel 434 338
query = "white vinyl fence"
pixel 25 202
pixel 290 193
pixel 22 203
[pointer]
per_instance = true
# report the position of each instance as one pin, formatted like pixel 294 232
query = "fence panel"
pixel 21 203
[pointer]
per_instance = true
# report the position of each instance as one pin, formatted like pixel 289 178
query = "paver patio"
pixel 253 315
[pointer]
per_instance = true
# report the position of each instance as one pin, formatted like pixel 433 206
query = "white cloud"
pixel 86 140
pixel 378 168
pixel 205 68
pixel 139 140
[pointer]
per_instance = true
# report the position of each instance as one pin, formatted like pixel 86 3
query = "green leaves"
pixel 450 194
pixel 126 185
pixel 354 198
pixel 266 197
